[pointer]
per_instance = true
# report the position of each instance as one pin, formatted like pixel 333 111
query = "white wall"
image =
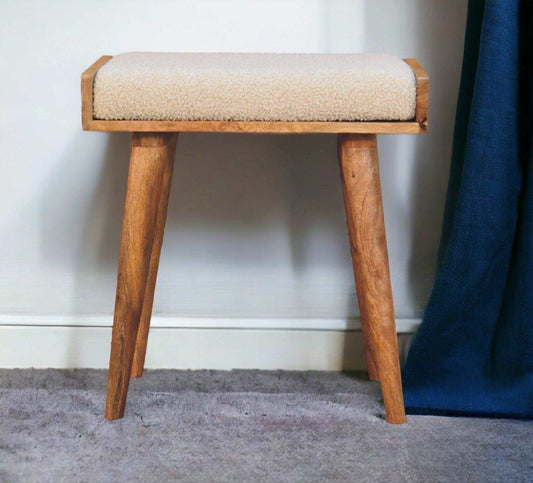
pixel 256 226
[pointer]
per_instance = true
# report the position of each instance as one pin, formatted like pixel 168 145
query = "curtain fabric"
pixel 473 354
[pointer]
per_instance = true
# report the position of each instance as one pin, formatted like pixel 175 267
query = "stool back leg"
pixel 146 313
pixel 150 155
pixel 364 209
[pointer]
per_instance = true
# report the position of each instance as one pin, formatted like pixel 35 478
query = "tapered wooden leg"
pixel 370 363
pixel 151 153
pixel 146 313
pixel 364 209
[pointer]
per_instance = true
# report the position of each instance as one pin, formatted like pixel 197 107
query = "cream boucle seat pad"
pixel 254 87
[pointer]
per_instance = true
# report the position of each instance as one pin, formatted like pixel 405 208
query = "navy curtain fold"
pixel 473 353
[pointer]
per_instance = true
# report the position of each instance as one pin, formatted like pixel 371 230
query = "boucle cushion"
pixel 254 87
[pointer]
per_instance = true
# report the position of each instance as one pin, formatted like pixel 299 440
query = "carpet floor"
pixel 214 426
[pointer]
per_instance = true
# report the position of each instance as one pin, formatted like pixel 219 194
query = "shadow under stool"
pixel 157 95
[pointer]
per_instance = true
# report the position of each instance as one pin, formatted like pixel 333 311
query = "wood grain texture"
pixel 281 127
pixel 273 127
pixel 370 362
pixel 422 91
pixel 146 314
pixel 150 156
pixel 87 82
pixel 362 190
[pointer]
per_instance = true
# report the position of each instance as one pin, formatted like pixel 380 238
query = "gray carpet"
pixel 210 426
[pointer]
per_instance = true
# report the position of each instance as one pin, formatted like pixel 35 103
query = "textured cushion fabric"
pixel 254 87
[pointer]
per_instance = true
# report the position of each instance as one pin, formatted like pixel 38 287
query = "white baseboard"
pixel 403 325
pixel 188 343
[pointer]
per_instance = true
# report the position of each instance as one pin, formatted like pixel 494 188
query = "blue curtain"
pixel 473 354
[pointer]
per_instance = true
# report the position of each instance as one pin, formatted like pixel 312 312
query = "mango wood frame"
pixel 417 125
pixel 153 150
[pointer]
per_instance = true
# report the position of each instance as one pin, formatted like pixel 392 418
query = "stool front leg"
pixel 146 314
pixel 364 210
pixel 151 154
pixel 370 362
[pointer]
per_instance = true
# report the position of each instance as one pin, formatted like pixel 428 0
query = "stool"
pixel 157 95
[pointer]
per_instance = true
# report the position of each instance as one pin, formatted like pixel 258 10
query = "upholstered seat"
pixel 254 87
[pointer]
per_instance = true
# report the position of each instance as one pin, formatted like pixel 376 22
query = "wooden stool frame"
pixel 152 157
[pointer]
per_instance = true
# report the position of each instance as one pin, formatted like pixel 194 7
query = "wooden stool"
pixel 155 96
